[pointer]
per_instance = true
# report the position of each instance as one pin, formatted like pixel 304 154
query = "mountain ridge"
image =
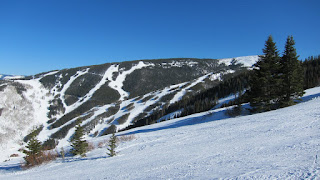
pixel 108 97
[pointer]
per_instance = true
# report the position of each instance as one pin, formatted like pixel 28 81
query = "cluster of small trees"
pixel 276 81
pixel 36 153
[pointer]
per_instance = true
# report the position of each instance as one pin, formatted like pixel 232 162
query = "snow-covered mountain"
pixel 10 77
pixel 280 144
pixel 103 98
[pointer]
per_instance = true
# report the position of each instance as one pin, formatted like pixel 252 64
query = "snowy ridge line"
pixel 179 64
pixel 48 74
pixel 247 61
pixel 13 77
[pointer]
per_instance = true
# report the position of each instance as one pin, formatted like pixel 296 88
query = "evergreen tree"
pixel 79 146
pixel 112 145
pixel 291 74
pixel 265 80
pixel 34 151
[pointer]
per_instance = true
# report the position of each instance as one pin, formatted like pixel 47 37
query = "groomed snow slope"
pixel 281 144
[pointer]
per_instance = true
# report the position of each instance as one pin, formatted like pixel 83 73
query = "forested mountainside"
pixel 118 96
pixel 104 98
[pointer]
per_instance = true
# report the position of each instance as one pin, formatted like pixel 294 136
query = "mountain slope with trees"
pixel 110 97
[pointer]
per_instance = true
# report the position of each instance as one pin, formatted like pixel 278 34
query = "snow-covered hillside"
pixel 280 144
pixel 20 113
pixel 101 97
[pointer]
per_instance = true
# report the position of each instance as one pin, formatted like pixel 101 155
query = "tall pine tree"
pixel 265 80
pixel 291 74
pixel 79 146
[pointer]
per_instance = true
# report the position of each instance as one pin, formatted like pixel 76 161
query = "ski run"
pixel 280 144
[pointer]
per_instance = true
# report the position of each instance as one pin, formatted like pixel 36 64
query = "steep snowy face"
pixel 16 115
pixel 108 97
pixel 22 106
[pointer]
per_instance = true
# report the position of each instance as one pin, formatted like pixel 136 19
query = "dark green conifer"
pixel 265 81
pixel 33 152
pixel 291 74
pixel 112 145
pixel 79 146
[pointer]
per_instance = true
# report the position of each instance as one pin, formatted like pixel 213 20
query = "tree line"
pixel 311 67
pixel 276 81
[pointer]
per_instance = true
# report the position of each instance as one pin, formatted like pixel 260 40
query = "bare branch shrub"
pixel 36 159
pixel 125 138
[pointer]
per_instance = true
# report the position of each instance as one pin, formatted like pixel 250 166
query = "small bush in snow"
pixel 37 159
pixel 90 146
pixel 127 137
pixel 14 155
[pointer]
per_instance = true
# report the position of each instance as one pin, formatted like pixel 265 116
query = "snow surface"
pixel 13 77
pixel 247 61
pixel 280 144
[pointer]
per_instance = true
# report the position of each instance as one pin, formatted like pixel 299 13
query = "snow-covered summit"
pixel 10 77
pixel 247 61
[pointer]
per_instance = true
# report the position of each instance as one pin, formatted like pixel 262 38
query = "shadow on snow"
pixel 213 116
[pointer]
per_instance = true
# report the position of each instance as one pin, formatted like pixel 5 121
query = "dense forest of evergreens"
pixel 311 72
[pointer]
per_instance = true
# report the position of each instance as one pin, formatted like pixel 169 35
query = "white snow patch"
pixel 247 61
pixel 13 77
pixel 118 83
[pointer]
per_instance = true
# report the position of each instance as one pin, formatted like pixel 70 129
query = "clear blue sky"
pixel 42 35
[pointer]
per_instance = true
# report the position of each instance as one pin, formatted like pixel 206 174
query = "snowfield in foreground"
pixel 281 144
